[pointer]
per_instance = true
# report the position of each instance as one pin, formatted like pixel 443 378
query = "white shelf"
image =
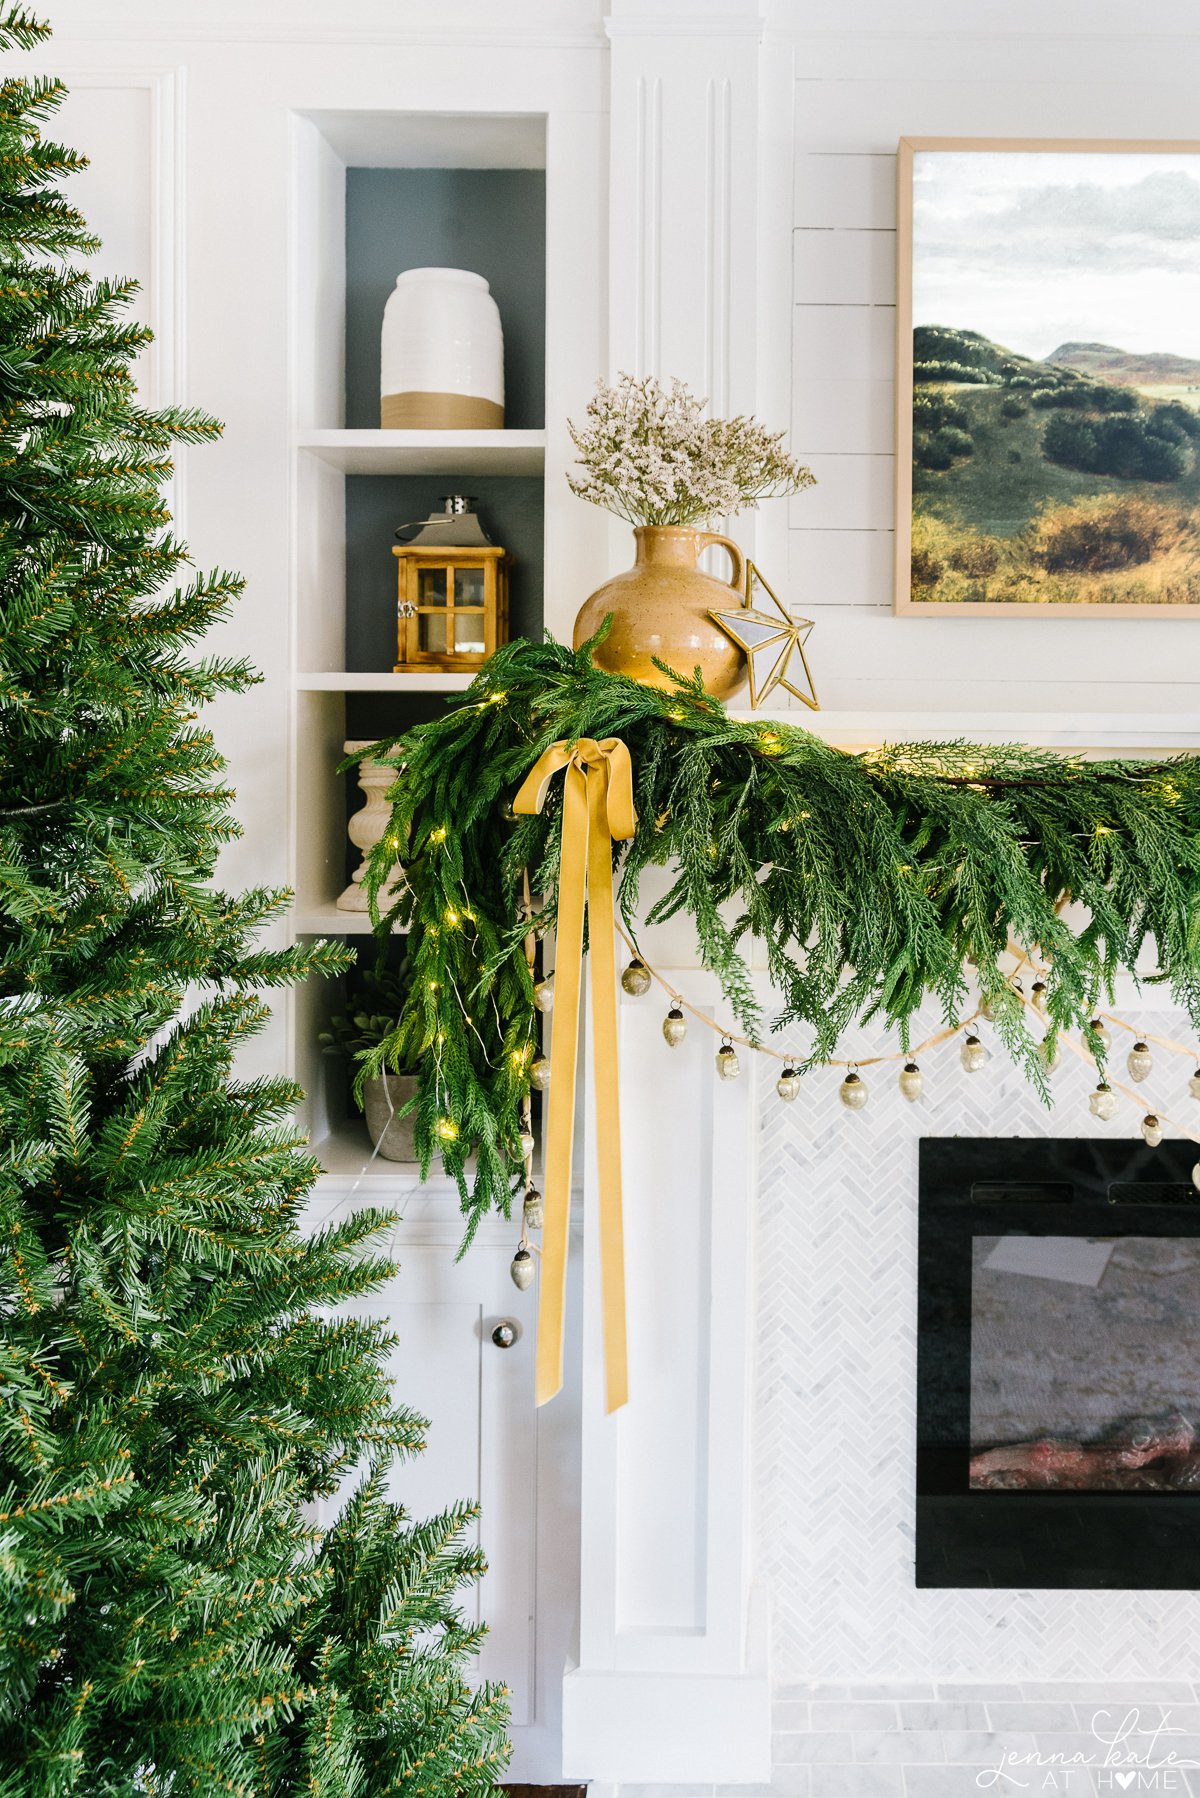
pixel 327 920
pixel 1106 733
pixel 345 1154
pixel 428 452
pixel 339 681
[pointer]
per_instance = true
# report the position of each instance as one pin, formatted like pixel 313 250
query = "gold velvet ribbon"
pixel 597 809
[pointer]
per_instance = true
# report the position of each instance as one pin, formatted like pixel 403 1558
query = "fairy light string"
pixel 1022 962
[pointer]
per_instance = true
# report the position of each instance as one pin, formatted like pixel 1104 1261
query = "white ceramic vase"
pixel 441 365
pixel 367 826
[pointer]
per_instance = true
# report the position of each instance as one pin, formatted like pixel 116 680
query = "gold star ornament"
pixel 769 641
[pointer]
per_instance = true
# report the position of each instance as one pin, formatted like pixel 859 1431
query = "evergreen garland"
pixel 176 1389
pixel 870 880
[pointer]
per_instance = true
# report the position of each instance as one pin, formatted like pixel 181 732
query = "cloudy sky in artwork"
pixel 1040 248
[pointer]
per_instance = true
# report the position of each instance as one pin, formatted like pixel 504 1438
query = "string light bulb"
pixel 532 1210
pixel 539 1074
pixel 1139 1061
pixel 674 1027
pixel 635 979
pixel 911 1082
pixel 1103 1103
pixel 788 1084
pixel 543 994
pixel 853 1092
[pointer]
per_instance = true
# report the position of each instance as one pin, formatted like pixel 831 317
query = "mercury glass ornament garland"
pixel 871 881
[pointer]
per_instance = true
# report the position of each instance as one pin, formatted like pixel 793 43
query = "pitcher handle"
pixel 736 559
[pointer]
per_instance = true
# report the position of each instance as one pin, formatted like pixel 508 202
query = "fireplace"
pixel 1058 1364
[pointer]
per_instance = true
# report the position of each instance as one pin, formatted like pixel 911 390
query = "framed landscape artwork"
pixel 1048 377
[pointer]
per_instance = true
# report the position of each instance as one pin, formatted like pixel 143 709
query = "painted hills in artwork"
pixel 1069 480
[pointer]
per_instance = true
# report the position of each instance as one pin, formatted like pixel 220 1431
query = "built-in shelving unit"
pixel 428 452
pixel 374 194
pixel 340 680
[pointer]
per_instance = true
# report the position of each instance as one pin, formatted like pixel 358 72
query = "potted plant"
pixel 649 454
pixel 377 999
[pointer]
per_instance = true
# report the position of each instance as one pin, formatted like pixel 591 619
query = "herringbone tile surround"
pixel 881 1688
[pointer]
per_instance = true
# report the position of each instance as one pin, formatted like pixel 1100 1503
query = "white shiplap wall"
pixel 937 69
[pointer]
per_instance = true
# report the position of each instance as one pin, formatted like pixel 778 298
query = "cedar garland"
pixel 871 880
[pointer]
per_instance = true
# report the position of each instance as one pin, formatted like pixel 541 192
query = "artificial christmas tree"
pixel 175 1392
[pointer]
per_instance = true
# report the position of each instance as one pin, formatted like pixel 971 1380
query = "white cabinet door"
pixel 482 1440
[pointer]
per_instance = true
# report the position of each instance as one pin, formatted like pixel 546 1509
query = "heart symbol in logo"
pixel 1124 1780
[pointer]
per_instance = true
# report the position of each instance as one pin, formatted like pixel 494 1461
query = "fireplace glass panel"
pixel 1085 1370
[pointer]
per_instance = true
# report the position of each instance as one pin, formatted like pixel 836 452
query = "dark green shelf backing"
pixel 491 221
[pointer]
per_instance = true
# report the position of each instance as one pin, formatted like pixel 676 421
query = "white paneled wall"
pixel 862 81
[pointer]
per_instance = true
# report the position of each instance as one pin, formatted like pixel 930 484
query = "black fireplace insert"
pixel 1058 1364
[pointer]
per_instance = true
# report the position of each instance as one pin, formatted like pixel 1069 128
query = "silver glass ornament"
pixel 521 1270
pixel 1037 993
pixel 1152 1130
pixel 1051 1053
pixel 728 1065
pixel 911 1081
pixel 1103 1103
pixel 1103 1035
pixel 635 979
pixel 532 1210
pixel 543 994
pixel 1139 1061
pixel 973 1055
pixel 674 1027
pixel 1194 1084
pixel 539 1074
pixel 788 1084
pixel 527 1144
pixel 853 1091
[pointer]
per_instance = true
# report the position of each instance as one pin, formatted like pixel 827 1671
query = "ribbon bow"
pixel 597 808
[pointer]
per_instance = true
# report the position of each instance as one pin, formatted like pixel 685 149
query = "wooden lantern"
pixel 451 606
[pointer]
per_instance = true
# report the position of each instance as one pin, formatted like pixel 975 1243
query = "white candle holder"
pixel 366 828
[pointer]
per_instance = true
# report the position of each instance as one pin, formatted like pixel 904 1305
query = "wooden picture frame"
pixel 1078 521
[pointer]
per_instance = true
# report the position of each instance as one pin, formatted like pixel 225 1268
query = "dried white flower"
pixel 650 456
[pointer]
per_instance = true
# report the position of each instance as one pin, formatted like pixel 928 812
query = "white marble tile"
pixel 850 1714
pixel 986 1747
pixel 936 1715
pixel 808 1746
pixel 981 1691
pixel 1028 1714
pixel 857 1782
pixel 896 1746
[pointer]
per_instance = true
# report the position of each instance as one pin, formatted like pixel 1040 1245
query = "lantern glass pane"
pixel 432 632
pixel 468 632
pixel 468 586
pixel 431 586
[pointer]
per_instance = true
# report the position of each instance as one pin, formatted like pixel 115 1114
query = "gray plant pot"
pixel 382 1098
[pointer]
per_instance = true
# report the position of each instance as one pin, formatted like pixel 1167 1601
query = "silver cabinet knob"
pixel 506 1333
